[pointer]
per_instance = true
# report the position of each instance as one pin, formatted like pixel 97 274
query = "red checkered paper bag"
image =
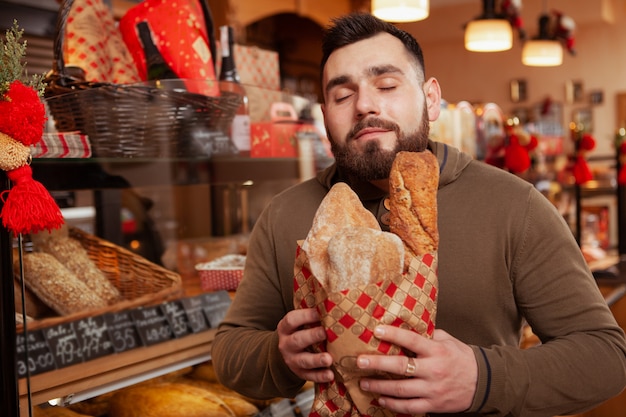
pixel 350 317
pixel 358 276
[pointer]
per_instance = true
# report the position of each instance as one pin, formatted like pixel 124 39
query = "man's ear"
pixel 432 91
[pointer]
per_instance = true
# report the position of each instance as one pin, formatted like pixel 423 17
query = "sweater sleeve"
pixel 245 350
pixel 581 361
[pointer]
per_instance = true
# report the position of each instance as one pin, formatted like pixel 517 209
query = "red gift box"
pixel 277 137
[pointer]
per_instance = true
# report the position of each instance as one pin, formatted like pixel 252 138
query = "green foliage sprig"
pixel 13 66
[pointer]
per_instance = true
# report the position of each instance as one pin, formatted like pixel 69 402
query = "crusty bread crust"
pixel 362 255
pixel 413 183
pixel 340 208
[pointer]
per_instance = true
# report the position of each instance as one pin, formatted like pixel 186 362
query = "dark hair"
pixel 354 27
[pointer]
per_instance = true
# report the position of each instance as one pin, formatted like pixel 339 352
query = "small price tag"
pixel 64 344
pixel 122 331
pixel 215 306
pixel 39 359
pixel 176 317
pixel 94 338
pixel 152 325
pixel 195 315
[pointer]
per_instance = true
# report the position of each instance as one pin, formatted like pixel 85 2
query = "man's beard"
pixel 374 163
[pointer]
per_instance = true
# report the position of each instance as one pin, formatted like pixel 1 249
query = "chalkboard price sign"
pixel 215 305
pixel 176 317
pixel 122 331
pixel 152 325
pixel 39 360
pixel 195 315
pixel 93 336
pixel 64 344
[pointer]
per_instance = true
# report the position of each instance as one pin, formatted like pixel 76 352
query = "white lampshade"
pixel 488 35
pixel 400 10
pixel 542 53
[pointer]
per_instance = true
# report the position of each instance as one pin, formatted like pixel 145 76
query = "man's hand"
pixel 293 342
pixel 440 379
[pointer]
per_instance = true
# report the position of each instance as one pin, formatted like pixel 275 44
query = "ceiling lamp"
pixel 489 32
pixel 400 10
pixel 544 50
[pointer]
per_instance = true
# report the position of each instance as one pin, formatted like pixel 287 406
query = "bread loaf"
pixel 56 411
pixel 167 400
pixel 56 286
pixel 33 306
pixel 413 184
pixel 74 257
pixel 340 208
pixel 239 405
pixel 361 255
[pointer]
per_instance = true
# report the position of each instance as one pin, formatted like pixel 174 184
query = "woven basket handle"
pixel 58 64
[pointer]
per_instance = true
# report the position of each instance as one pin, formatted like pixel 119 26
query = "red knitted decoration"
pixel 516 157
pixel 22 114
pixel 28 207
pixel 581 170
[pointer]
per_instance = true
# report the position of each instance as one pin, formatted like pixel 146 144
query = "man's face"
pixel 375 105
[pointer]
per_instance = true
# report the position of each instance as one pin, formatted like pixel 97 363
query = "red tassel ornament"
pixel 29 207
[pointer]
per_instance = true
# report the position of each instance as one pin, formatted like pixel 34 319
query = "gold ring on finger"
pixel 410 367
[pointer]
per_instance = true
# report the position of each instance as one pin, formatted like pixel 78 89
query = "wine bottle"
pixel 230 81
pixel 156 67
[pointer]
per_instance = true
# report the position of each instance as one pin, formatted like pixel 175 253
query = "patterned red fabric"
pixel 62 145
pixel 93 43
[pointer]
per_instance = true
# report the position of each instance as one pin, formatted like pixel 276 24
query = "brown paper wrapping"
pixel 350 317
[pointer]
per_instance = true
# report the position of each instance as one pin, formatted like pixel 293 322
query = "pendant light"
pixel 400 10
pixel 489 32
pixel 544 50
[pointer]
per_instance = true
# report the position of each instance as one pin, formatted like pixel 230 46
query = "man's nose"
pixel 366 104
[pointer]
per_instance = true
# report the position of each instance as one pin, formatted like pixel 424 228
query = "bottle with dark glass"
pixel 230 82
pixel 156 67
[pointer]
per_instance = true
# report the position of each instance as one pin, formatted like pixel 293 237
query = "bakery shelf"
pixel 85 380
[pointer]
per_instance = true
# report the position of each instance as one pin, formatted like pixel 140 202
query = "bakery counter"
pixel 89 379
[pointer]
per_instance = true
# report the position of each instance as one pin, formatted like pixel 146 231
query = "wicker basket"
pixel 148 119
pixel 139 281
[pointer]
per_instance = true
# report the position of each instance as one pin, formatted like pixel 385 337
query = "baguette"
pixel 413 184
pixel 75 258
pixel 56 286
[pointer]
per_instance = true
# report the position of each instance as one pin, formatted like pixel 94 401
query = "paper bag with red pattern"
pixel 350 317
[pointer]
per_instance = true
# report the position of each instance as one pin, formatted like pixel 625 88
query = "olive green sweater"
pixel 505 256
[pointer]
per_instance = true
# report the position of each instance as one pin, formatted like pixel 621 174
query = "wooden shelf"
pixel 85 380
